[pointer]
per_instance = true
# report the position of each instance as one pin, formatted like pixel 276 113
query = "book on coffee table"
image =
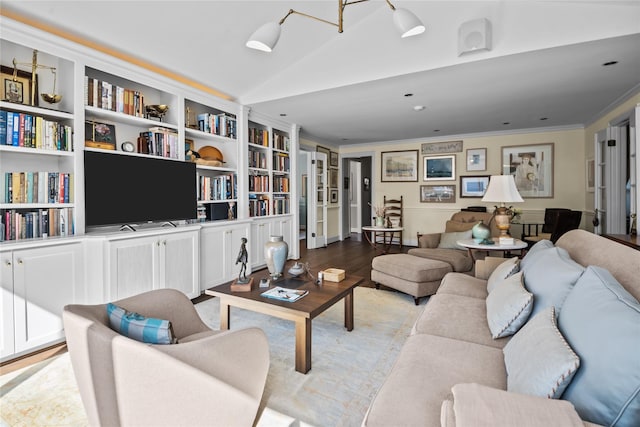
pixel 284 294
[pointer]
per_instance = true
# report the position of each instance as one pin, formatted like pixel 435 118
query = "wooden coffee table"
pixel 301 311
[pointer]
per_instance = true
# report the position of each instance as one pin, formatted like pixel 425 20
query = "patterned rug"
pixel 347 367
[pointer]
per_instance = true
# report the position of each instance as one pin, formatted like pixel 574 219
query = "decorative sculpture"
pixel 243 257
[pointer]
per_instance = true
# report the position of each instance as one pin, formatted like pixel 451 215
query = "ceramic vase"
pixel 379 221
pixel 276 251
pixel 480 232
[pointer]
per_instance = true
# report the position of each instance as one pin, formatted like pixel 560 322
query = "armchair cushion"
pixel 508 306
pixel 449 240
pixel 140 328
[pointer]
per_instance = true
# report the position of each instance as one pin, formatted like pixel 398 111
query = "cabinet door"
pixel 133 266
pixel 233 242
pixel 179 262
pixel 7 347
pixel 282 227
pixel 45 280
pixel 260 232
pixel 212 256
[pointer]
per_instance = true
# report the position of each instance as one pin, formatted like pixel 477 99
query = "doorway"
pixel 356 195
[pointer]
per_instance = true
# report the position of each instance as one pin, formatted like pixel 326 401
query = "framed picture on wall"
pixel 476 159
pixel 591 175
pixel 437 193
pixel 440 168
pixel 532 168
pixel 333 178
pixel 333 159
pixel 399 166
pixel 473 186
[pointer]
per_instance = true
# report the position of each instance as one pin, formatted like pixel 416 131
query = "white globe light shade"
pixel 407 23
pixel 265 37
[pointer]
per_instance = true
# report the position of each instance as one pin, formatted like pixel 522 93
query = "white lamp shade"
pixel 265 37
pixel 407 23
pixel 502 189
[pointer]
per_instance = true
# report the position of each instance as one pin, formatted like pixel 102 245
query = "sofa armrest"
pixel 475 404
pixel 429 240
pixel 484 267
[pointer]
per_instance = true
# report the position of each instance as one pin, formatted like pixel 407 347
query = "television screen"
pixel 121 189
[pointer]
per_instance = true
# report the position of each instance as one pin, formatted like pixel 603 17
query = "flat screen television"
pixel 128 190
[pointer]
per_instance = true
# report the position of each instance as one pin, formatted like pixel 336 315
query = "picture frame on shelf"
pixel 399 166
pixel 440 168
pixel 437 193
pixel 532 168
pixel 334 196
pixel 333 178
pixel 333 159
pixel 590 178
pixel 473 186
pixel 476 159
pixel 17 91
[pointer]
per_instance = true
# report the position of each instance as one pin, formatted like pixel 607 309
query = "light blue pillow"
pixel 550 278
pixel 138 327
pixel 538 359
pixel 501 272
pixel 448 240
pixel 508 306
pixel 534 251
pixel 601 322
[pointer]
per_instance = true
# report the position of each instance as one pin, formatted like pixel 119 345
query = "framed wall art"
pixel 17 90
pixel 333 178
pixel 437 193
pixel 591 175
pixel 440 168
pixel 473 186
pixel 399 166
pixel 333 159
pixel 476 159
pixel 531 167
pixel 325 150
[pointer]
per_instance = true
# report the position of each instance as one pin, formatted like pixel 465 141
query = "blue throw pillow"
pixel 550 278
pixel 138 327
pixel 601 322
pixel 534 252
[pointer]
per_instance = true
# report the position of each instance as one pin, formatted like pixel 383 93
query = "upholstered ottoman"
pixel 410 274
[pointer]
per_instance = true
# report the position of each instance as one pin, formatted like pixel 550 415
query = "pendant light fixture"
pixel 266 37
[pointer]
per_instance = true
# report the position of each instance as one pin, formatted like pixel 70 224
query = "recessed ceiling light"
pixel 436 130
pixel 543 118
pixel 408 94
pixel 345 139
pixel 418 107
pixel 506 123
pixel 606 64
pixel 283 114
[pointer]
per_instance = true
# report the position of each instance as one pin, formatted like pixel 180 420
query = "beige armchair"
pixel 208 378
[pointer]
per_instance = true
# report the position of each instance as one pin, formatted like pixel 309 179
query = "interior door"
pixel 317 202
pixel 355 211
pixel 610 191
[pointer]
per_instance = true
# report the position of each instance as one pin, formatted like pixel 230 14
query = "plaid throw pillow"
pixel 140 328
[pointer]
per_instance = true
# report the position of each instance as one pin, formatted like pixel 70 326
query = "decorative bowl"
pixel 51 98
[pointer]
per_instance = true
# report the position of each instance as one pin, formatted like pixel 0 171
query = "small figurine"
pixel 633 230
pixel 243 257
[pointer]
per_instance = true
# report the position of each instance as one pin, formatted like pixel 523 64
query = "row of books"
pixel 218 124
pixel 159 141
pixel 18 224
pixel 257 159
pixel 259 136
pixel 221 187
pixel 280 205
pixel 107 96
pixel 26 130
pixel 38 187
pixel 259 183
pixel 258 205
pixel 281 184
pixel 281 162
pixel 281 142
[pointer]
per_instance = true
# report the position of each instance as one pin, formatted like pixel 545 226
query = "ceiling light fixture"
pixel 418 107
pixel 266 37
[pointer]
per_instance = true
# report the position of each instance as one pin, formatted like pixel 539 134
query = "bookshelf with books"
pixel 259 145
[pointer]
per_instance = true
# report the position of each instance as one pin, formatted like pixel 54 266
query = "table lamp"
pixel 502 189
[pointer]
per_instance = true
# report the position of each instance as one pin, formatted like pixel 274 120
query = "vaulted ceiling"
pixel 545 68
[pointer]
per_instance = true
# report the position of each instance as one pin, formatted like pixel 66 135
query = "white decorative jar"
pixel 276 251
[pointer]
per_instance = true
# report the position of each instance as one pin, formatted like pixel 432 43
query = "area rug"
pixel 347 367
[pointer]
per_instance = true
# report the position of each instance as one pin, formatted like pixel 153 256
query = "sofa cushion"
pixel 538 359
pixel 534 251
pixel 138 327
pixel 457 317
pixel 508 306
pixel 464 285
pixel 501 272
pixel 449 240
pixel 423 374
pixel 411 268
pixel 458 259
pixel 601 321
pixel 550 278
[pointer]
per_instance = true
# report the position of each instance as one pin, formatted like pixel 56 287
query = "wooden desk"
pixel 625 239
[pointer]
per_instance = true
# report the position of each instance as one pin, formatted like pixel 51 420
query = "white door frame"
pixel 316 210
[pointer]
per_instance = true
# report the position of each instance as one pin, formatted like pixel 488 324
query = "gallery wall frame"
pixel 473 186
pixel 590 178
pixel 333 178
pixel 399 166
pixel 439 168
pixel 476 159
pixel 333 159
pixel 325 150
pixel 429 148
pixel 437 193
pixel 532 168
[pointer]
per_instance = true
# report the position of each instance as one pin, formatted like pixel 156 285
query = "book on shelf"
pixel 284 294
pixel 26 130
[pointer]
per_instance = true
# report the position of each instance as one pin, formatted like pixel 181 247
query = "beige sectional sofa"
pixel 451 371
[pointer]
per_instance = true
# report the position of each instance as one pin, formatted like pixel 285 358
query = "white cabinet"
pixel 262 229
pixel 140 264
pixel 36 284
pixel 219 249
